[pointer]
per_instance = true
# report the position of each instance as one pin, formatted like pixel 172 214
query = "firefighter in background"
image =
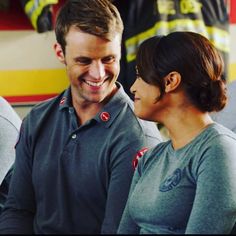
pixel 146 18
pixel 4 5
pixel 40 13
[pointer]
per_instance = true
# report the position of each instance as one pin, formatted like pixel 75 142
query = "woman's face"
pixel 146 99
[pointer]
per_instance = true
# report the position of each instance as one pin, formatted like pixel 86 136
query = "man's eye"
pixel 108 60
pixel 83 61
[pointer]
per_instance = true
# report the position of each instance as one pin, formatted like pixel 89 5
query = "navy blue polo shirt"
pixel 70 178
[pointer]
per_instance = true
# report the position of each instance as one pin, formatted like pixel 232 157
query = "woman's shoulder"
pixel 218 132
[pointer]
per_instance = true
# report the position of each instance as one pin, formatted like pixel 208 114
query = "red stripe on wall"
pixel 30 99
pixel 233 12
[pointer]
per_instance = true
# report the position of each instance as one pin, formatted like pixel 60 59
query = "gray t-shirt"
pixel 191 190
pixel 9 129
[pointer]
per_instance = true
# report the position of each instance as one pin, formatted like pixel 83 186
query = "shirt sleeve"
pixel 8 138
pixel 127 225
pixel 18 213
pixel 121 173
pixel 214 207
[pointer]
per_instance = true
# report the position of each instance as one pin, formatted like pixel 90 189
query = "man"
pixel 74 158
pixel 9 131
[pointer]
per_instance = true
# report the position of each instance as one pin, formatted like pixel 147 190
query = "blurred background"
pixel 30 72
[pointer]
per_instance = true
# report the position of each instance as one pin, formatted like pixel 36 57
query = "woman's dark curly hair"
pixel 191 55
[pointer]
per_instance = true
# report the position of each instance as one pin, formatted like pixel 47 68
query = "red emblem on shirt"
pixel 105 116
pixel 62 100
pixel 138 156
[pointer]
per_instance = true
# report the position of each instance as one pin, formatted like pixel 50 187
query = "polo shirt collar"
pixel 109 112
pixel 66 100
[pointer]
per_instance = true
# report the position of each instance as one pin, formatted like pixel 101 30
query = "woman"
pixel 188 183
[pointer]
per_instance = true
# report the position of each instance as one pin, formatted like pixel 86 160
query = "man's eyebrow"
pixel 82 58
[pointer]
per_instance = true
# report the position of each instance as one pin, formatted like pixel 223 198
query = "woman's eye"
pixel 137 73
pixel 138 76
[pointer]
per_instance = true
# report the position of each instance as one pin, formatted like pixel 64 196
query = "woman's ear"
pixel 59 53
pixel 172 81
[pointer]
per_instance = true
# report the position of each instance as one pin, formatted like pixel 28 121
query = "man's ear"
pixel 172 81
pixel 59 53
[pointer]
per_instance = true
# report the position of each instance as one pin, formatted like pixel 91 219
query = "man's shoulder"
pixel 42 111
pixel 135 126
pixel 150 129
pixel 131 123
pixel 46 105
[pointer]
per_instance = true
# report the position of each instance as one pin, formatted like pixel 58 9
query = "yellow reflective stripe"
pixel 220 38
pixel 34 8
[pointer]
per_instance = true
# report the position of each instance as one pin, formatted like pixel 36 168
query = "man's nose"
pixel 97 70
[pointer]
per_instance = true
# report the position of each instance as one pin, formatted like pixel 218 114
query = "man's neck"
pixel 87 112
